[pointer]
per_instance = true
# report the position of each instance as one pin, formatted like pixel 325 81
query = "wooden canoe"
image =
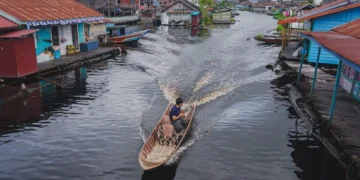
pixel 153 153
pixel 129 37
pixel 273 40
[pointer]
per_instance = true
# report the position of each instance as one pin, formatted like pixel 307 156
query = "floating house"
pixel 269 5
pixel 325 18
pixel 258 7
pixel 95 29
pixel 299 11
pixel 221 16
pixel 17 54
pixel 244 5
pixel 336 103
pixel 180 13
pixel 113 8
pixel 58 23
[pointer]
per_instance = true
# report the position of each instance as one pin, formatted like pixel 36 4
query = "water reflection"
pixel 309 155
pixel 19 108
pixel 161 173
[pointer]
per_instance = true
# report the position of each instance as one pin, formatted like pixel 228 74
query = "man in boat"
pixel 177 115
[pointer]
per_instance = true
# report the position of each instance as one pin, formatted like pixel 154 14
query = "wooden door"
pixel 65 38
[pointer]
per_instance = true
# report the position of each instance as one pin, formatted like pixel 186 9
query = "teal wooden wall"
pixel 326 23
pixel 81 33
pixel 43 33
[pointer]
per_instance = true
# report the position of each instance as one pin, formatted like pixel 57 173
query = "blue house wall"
pixel 81 33
pixel 326 23
pixel 43 33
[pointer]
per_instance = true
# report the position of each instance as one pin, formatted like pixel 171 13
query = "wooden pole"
pixel 51 81
pixel 353 83
pixel 315 72
pixel 302 61
pixel 333 100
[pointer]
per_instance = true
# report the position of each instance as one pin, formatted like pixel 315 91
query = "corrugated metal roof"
pixel 288 20
pixel 343 45
pixel 351 29
pixel 44 10
pixel 5 23
pixel 313 12
pixel 17 34
pixel 258 5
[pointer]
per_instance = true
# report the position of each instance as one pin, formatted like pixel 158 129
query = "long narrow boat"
pixel 158 149
pixel 273 39
pixel 117 35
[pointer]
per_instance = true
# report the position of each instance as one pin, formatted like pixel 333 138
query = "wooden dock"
pixel 287 52
pixel 308 72
pixel 342 137
pixel 346 121
pixel 76 60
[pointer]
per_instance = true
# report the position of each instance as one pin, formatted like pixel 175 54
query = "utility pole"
pixel 108 8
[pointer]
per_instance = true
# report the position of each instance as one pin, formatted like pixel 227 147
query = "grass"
pixel 259 36
pixel 232 20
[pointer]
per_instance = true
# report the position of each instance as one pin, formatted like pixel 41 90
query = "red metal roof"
pixel 343 45
pixel 5 23
pixel 288 20
pixel 323 7
pixel 17 34
pixel 351 29
pixel 331 11
pixel 40 10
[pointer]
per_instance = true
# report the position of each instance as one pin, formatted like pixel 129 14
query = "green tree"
pixel 311 1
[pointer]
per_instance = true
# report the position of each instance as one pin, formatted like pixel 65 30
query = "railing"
pixel 123 19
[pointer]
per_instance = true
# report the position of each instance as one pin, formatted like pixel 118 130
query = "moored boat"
pixel 117 35
pixel 273 39
pixel 159 146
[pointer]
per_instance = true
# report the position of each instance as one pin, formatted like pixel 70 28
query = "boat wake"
pixel 171 93
pixel 202 72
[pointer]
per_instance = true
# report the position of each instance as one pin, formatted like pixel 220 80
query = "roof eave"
pixel 9 17
pixel 307 15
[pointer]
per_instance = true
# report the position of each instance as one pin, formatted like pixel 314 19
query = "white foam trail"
pixel 205 80
pixel 171 93
pixel 184 147
pixel 214 95
pixel 142 133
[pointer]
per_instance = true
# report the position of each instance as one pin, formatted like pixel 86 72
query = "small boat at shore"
pixel 117 35
pixel 159 148
pixel 272 39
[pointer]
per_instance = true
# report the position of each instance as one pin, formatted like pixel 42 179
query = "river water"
pixel 93 129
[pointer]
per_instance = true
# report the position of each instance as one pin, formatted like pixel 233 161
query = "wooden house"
pixel 180 13
pixel 325 18
pixel 336 101
pixel 244 5
pixel 221 16
pixel 17 54
pixel 113 8
pixel 56 26
pixel 258 7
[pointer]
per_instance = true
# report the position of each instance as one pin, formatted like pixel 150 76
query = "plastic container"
pixel 89 46
pixel 57 53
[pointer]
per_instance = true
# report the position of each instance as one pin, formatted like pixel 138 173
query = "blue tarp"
pixel 195 13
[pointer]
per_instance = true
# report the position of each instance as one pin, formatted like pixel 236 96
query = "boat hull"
pixel 273 40
pixel 154 154
pixel 128 38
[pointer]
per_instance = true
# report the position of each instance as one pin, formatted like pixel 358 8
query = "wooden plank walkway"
pixel 287 53
pixel 346 121
pixel 308 71
pixel 67 60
